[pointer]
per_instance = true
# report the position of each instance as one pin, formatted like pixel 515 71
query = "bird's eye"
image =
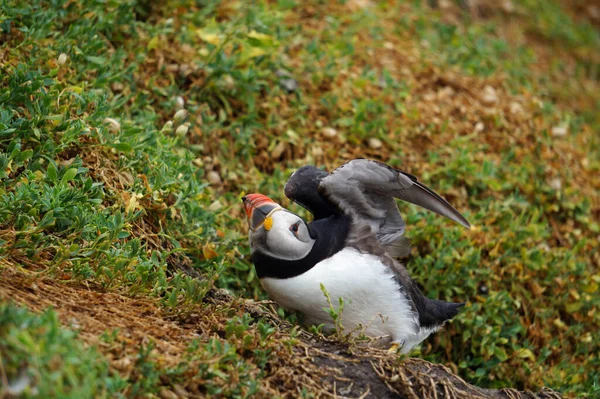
pixel 294 229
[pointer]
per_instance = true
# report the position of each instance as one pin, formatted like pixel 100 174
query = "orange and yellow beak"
pixel 259 209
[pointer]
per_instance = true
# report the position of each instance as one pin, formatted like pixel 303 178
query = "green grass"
pixel 81 187
pixel 42 359
pixel 97 186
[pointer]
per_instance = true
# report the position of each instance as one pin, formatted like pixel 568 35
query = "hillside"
pixel 129 131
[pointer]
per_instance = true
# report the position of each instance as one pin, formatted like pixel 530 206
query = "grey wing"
pixel 365 190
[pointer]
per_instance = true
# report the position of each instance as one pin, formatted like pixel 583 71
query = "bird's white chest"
pixel 372 298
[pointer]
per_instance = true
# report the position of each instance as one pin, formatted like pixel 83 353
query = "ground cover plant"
pixel 129 130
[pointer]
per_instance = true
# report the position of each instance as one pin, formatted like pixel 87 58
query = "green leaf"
pixel 481 372
pixel 500 353
pixel 25 155
pixel 69 175
pixel 52 173
pixel 123 147
pixel 96 60
pixel 47 221
pixel 172 301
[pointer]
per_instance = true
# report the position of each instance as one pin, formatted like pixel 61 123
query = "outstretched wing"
pixel 365 190
pixel 303 188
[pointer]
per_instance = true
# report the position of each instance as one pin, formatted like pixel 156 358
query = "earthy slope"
pixel 129 131
pixel 313 364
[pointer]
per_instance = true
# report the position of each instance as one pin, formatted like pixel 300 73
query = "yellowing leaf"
pixel 209 37
pixel 153 43
pixel 294 137
pixel 38 175
pixel 576 378
pixel 525 354
pixel 261 40
pixel 76 89
pixel 209 251
pixel 573 307
pixel 259 36
pixel 250 52
pixel 587 337
pixel 559 323
pixel 590 288
pixel 133 203
pixel 495 251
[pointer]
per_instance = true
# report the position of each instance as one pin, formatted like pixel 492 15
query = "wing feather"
pixel 365 190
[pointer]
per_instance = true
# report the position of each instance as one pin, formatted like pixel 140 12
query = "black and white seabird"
pixel 349 247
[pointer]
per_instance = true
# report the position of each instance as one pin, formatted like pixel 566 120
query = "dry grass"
pixel 315 364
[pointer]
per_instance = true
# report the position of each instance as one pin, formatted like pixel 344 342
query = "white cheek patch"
pixel 281 242
pixel 283 245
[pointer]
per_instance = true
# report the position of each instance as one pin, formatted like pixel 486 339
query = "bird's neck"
pixel 330 236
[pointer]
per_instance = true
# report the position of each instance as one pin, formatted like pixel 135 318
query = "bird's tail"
pixel 445 310
pixel 432 312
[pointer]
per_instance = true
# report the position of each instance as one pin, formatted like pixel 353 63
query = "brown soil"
pixel 318 364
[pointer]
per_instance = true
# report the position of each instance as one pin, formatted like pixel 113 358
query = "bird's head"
pixel 275 231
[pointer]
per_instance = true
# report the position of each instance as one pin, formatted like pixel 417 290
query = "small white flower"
pixel 182 130
pixel 329 132
pixel 62 59
pixel 180 116
pixel 113 125
pixel 213 178
pixel 167 127
pixel 179 103
pixel 375 143
pixel 559 131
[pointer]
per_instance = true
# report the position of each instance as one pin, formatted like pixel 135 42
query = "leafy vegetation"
pixel 42 359
pixel 128 136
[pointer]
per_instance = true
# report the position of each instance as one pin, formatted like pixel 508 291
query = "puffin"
pixel 350 249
